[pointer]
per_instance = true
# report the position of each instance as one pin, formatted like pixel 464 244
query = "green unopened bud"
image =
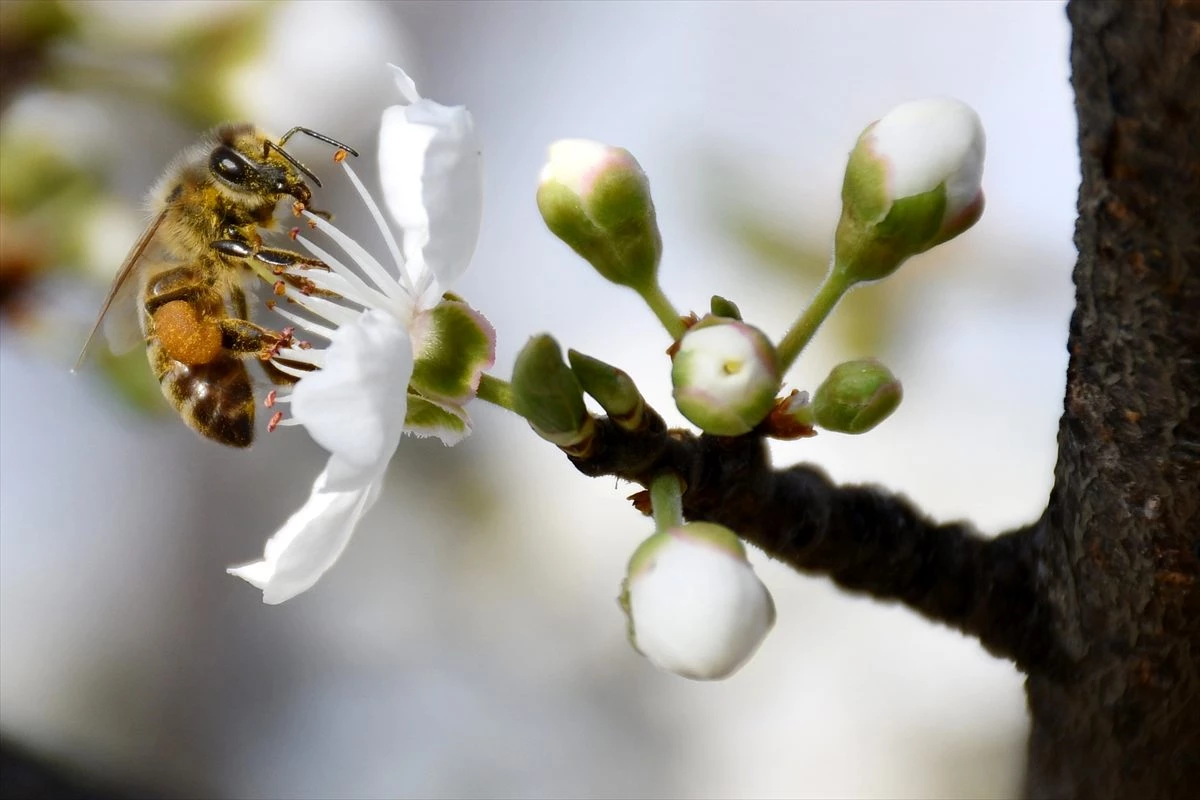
pixel 596 198
pixel 913 182
pixel 547 394
pixel 857 396
pixel 726 375
pixel 612 388
pixel 725 308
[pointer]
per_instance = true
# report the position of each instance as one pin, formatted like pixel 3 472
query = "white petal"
pixel 408 88
pixel 432 178
pixel 929 142
pixel 576 163
pixel 699 611
pixel 310 541
pixel 354 406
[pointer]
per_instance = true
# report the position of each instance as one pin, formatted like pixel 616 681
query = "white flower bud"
pixel 912 182
pixel 596 198
pixel 726 376
pixel 577 163
pixel 931 143
pixel 695 606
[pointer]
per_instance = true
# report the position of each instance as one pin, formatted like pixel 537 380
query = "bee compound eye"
pixel 227 163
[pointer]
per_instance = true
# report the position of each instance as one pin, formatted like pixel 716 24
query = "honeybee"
pixel 189 268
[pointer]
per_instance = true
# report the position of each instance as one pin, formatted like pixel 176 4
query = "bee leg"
pixel 279 259
pixel 173 284
pixel 274 257
pixel 305 286
pixel 237 299
pixel 243 337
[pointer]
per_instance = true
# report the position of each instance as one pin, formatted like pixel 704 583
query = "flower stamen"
pixel 308 325
pixel 337 314
pixel 314 358
pixel 366 296
pixel 360 256
pixel 286 370
pixel 377 215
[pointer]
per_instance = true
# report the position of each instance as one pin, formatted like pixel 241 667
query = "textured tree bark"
pixel 1098 601
pixel 1121 544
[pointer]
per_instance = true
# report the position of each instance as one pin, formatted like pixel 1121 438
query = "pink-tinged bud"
pixel 913 181
pixel 694 605
pixel 596 198
pixel 726 375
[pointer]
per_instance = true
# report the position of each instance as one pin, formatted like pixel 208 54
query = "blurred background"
pixel 469 644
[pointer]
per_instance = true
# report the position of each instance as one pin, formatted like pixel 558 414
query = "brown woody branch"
pixel 865 539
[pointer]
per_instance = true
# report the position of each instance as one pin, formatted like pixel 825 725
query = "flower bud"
pixel 857 396
pixel 726 376
pixel 694 605
pixel 913 181
pixel 612 388
pixel 596 198
pixel 548 395
pixel 725 308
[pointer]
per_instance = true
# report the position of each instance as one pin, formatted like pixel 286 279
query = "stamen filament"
pixel 393 247
pixel 360 256
pixel 308 325
pixel 285 369
pixel 298 356
pixel 337 314
pixel 369 297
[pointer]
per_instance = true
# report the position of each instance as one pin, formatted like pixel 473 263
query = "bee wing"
pixel 122 329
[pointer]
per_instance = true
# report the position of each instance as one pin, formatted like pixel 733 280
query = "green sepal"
pixel 864 185
pixel 725 308
pixel 875 233
pixel 427 418
pixel 612 388
pixel 547 393
pixel 457 345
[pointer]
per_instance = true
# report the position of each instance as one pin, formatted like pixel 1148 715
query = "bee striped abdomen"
pixel 216 399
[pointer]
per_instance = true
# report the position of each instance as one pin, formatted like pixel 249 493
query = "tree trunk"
pixel 1120 544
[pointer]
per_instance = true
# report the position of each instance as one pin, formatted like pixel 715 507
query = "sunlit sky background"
pixel 469 643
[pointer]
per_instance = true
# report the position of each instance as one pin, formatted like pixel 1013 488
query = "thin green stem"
pixel 802 330
pixel 496 391
pixel 662 308
pixel 666 498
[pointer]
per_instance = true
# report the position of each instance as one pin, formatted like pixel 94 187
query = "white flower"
pixel 355 403
pixel 695 606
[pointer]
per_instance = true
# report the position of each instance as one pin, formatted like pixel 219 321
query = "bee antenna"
pixel 292 159
pixel 320 137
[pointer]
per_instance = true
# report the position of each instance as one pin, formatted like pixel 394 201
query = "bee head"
pixel 246 164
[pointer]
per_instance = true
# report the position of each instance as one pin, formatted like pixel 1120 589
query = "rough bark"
pixel 1120 549
pixel 1098 601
